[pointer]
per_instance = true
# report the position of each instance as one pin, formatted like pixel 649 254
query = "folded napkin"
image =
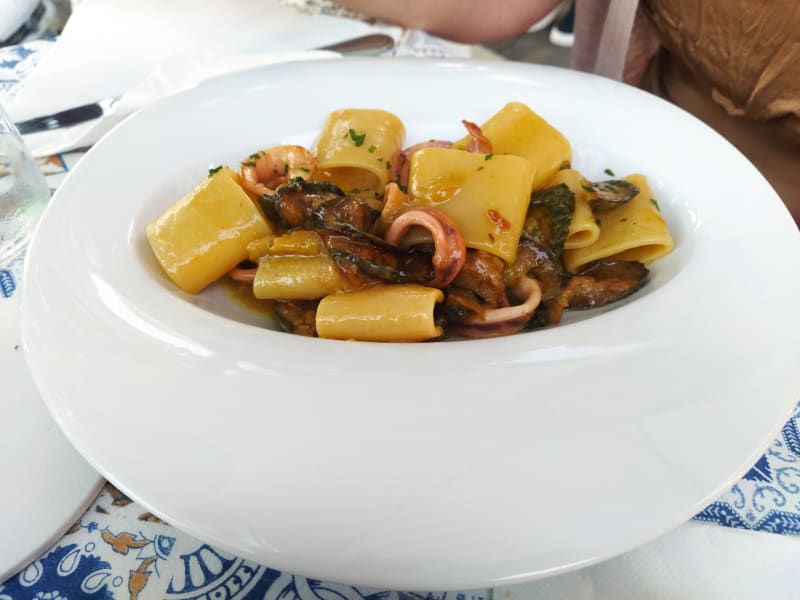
pixel 138 50
pixel 169 77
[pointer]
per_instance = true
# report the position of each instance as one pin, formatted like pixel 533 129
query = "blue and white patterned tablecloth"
pixel 117 549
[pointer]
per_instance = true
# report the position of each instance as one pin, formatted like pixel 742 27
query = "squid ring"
pixel 450 250
pixel 509 319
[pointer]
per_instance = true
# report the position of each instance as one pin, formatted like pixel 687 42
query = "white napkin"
pixel 168 78
pixel 151 47
pixel 696 561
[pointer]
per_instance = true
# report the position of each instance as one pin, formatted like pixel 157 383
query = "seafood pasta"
pixel 365 238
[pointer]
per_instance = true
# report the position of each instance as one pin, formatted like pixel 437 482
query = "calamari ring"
pixel 450 250
pixel 509 319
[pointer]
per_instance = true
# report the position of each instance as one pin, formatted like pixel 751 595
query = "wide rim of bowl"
pixel 676 384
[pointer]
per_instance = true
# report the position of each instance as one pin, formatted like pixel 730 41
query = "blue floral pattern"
pixel 117 550
pixel 16 62
pixel 768 496
pixel 68 571
pixel 7 283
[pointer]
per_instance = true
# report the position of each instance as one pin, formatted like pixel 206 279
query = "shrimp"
pixel 243 274
pixel 264 171
pixel 478 141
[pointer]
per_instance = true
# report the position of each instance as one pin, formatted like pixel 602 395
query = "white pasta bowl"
pixel 418 466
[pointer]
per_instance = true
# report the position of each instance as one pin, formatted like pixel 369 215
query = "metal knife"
pixel 65 118
pixel 365 45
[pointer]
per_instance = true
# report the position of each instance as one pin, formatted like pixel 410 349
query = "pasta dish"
pixel 363 237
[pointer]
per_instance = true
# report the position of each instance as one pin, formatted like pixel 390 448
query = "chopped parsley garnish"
pixel 388 165
pixel 256 155
pixel 214 170
pixel 355 191
pixel 588 188
pixel 597 222
pixel 654 203
pixel 358 138
pixel 304 169
pixel 371 149
pixel 609 172
pixel 249 163
pixel 488 157
pixel 623 220
pixel 286 169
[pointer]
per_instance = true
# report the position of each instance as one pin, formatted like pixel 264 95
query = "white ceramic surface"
pixel 45 485
pixel 429 466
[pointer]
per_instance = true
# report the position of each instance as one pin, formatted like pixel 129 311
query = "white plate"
pixel 46 485
pixel 433 466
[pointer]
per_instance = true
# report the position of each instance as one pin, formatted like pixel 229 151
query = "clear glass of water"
pixel 23 193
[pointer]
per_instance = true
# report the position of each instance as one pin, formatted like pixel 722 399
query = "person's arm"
pixel 468 21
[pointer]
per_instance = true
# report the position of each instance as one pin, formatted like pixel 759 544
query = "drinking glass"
pixel 23 193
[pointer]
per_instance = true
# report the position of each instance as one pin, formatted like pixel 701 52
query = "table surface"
pixel 118 549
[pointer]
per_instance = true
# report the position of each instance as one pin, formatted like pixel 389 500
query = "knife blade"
pixel 371 44
pixel 367 45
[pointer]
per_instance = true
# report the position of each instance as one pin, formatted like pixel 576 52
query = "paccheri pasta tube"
pixel 583 228
pixel 486 195
pixel 205 234
pixel 390 313
pixel 515 129
pixel 296 266
pixel 635 231
pixel 363 239
pixel 355 149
